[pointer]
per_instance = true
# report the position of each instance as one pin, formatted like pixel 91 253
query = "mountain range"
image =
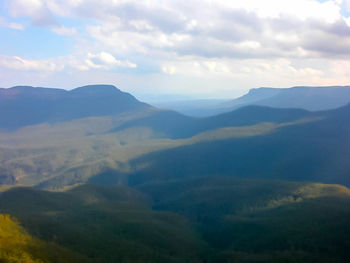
pixel 255 183
pixel 24 105
pixel 301 97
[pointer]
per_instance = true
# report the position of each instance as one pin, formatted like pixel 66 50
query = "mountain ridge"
pixel 305 97
pixel 25 105
pixel 310 98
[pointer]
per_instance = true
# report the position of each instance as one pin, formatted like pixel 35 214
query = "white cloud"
pixel 346 5
pixel 302 9
pixel 236 43
pixel 171 70
pixel 18 63
pixel 207 28
pixel 36 10
pixel 232 68
pixel 141 25
pixel 106 61
pixel 65 31
pixel 5 23
pixel 234 28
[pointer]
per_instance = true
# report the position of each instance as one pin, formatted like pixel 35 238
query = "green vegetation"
pixel 305 151
pixel 17 246
pixel 145 144
pixel 105 224
pixel 170 188
pixel 58 155
pixel 54 156
pixel 210 219
pixel 262 220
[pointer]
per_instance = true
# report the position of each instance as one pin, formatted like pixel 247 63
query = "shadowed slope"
pixel 228 220
pixel 24 105
pixel 262 220
pixel 312 151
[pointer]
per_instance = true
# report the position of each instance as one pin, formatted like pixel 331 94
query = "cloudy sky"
pixel 193 48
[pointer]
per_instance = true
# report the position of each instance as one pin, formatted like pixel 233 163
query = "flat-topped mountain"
pixel 309 98
pixel 24 105
pixel 302 97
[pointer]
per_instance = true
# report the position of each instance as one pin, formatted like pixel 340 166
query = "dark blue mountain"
pixel 25 105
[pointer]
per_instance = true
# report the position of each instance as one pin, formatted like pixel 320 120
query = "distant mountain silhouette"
pixel 308 98
pixel 25 105
pixel 192 107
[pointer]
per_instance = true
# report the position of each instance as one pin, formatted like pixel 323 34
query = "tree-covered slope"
pixel 135 147
pixel 105 224
pixel 60 154
pixel 208 219
pixel 262 220
pixel 17 246
pixel 174 125
pixel 314 151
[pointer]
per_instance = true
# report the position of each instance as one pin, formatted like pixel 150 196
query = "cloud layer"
pixel 281 43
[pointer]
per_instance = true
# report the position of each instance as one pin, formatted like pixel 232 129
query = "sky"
pixel 179 48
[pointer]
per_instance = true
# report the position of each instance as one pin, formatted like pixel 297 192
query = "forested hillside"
pixel 211 219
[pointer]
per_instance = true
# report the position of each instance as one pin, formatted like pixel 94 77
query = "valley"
pixel 165 131
pixel 257 184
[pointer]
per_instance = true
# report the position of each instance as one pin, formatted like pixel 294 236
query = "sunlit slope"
pixel 56 155
pixel 105 224
pixel 174 125
pixel 17 246
pixel 250 142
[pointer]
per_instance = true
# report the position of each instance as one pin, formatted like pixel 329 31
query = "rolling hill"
pixel 54 155
pixel 175 125
pixel 133 147
pixel 314 150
